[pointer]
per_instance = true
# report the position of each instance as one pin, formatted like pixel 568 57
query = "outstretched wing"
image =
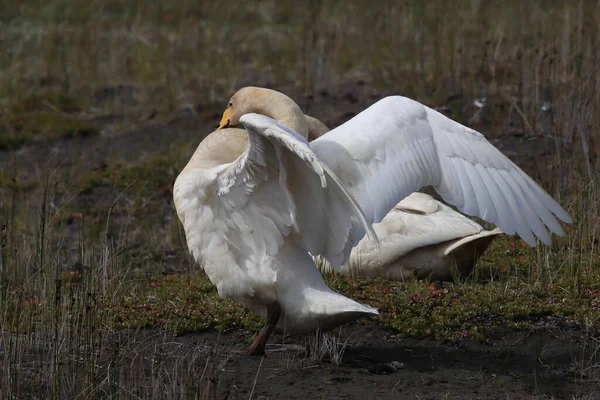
pixel 398 145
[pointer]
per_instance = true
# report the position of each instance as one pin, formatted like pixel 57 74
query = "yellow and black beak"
pixel 225 120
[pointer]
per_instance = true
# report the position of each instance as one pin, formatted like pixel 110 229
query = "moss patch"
pixel 447 312
pixel 450 312
pixel 181 303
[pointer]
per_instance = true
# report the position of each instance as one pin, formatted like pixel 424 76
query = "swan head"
pixel 266 102
pixel 242 102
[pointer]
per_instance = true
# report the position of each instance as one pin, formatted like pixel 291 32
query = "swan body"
pixel 255 202
pixel 420 237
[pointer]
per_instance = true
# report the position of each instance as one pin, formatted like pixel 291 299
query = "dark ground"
pixel 535 364
pixel 518 365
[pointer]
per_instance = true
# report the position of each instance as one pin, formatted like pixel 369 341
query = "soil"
pixel 515 365
pixel 376 364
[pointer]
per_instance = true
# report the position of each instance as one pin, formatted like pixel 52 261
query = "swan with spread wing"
pixel 254 202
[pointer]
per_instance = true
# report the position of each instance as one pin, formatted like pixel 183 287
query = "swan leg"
pixel 257 347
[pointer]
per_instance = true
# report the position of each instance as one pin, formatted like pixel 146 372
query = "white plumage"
pixel 420 237
pixel 398 145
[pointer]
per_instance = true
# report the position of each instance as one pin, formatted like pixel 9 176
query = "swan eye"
pixel 230 104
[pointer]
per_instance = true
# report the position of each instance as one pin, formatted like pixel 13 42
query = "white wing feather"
pixel 326 216
pixel 398 145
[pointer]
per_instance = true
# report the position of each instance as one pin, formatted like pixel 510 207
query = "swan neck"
pixel 283 109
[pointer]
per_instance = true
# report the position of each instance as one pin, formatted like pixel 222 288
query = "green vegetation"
pixel 447 312
pixel 516 298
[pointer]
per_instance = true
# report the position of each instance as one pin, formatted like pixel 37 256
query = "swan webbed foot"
pixel 257 348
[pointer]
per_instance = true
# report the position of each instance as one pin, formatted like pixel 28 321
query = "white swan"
pixel 242 222
pixel 253 208
pixel 419 237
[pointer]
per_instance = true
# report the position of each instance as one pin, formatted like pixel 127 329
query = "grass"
pixel 520 56
pixel 90 254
